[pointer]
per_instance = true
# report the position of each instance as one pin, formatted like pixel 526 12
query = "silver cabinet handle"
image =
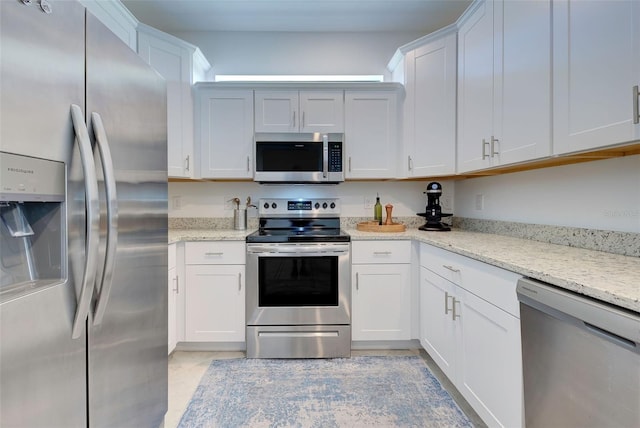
pixel 349 163
pixel 187 163
pixel 382 253
pixel 484 152
pixel 409 163
pixel 104 289
pixel 214 254
pixel 636 105
pixel 357 281
pixel 453 308
pixel 93 221
pixel 493 146
pixel 451 268
pixel 446 302
pixel 302 120
pixel 293 121
pixel 239 281
pixel 176 280
pixel 248 164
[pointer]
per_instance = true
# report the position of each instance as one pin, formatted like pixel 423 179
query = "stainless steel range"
pixel 298 281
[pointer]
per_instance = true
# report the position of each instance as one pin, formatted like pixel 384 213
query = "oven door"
pixel 298 284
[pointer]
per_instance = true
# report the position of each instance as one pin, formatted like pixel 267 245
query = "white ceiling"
pixel 297 15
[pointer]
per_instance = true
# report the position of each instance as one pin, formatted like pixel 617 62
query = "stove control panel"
pixel 309 207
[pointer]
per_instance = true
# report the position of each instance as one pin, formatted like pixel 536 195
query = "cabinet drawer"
pixel 171 256
pixel 366 252
pixel 493 284
pixel 215 253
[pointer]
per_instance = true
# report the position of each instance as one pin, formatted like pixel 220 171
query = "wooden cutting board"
pixel 373 226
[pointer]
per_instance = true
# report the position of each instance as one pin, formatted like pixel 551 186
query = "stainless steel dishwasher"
pixel 581 360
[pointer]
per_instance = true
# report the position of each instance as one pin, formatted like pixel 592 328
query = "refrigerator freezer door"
pixel 42 369
pixel 127 345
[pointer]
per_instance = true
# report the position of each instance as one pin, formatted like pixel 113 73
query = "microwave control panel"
pixel 335 157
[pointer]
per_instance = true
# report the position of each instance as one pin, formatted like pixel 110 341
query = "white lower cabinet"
pixel 172 304
pixel 215 292
pixel 469 324
pixel 381 290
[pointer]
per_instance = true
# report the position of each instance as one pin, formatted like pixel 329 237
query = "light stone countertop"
pixel 604 276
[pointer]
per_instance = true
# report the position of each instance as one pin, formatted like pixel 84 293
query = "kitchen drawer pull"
pixel 382 253
pixel 248 164
pixel 349 163
pixel 214 254
pixel 239 281
pixel 187 163
pixel 409 163
pixel 451 268
pixel 177 281
pixel 636 105
pixel 357 281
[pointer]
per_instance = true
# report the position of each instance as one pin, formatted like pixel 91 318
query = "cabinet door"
pixel 371 134
pixel 214 304
pixel 430 108
pixel 322 111
pixel 225 133
pixel 489 363
pixel 475 89
pixel 522 97
pixel 276 111
pixel 172 62
pixel 381 302
pixel 172 307
pixel 596 45
pixel 437 328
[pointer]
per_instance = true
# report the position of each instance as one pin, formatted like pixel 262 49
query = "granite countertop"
pixel 611 278
pixel 608 277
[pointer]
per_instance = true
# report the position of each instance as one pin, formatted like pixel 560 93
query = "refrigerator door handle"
pixel 93 221
pixel 104 289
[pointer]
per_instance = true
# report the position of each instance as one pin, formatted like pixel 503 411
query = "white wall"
pixel 207 199
pixel 298 53
pixel 596 195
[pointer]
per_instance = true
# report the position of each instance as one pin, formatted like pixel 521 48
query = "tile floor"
pixel 187 367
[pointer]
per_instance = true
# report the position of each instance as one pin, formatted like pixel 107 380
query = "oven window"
pixel 298 281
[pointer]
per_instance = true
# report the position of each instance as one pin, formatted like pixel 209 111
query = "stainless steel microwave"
pixel 299 158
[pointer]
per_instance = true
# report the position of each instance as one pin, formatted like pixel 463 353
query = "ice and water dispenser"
pixel 32 226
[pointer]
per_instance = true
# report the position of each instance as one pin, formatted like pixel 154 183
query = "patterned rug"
pixel 396 391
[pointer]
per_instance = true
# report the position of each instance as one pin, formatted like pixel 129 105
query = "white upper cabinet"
pixel 224 132
pixel 430 107
pixel 117 18
pixel 299 111
pixel 181 64
pixel 371 134
pixel 596 56
pixel 504 84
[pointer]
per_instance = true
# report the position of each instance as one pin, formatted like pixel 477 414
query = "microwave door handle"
pixel 93 221
pixel 325 155
pixel 112 217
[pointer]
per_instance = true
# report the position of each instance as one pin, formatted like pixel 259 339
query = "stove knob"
pixel 317 205
pixel 274 205
pixel 333 205
pixel 266 205
pixel 324 205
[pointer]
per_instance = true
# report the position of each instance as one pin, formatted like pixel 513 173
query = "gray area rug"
pixel 396 391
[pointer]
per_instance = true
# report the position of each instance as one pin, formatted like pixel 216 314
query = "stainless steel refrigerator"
pixel 83 204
